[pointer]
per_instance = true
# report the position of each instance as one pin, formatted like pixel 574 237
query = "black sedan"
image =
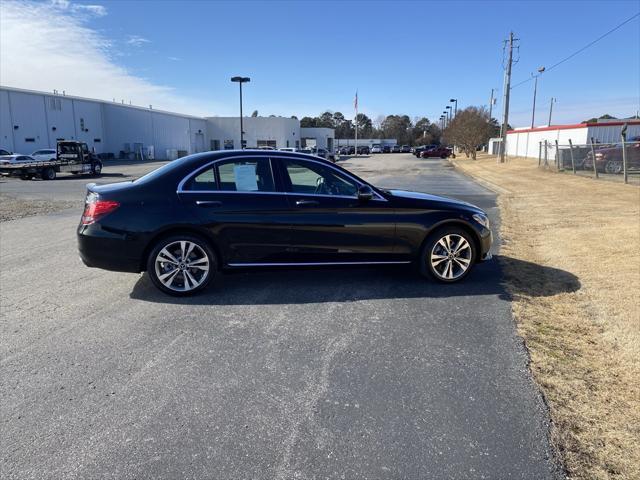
pixel 192 217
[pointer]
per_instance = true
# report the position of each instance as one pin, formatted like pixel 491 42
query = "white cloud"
pixel 137 41
pixel 97 10
pixel 174 59
pixel 46 46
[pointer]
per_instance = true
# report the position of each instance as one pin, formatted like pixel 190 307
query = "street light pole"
pixel 535 91
pixel 452 100
pixel 241 80
pixel 551 110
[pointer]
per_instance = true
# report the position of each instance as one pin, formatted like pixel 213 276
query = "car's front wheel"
pixel 181 264
pixel 614 166
pixel 448 255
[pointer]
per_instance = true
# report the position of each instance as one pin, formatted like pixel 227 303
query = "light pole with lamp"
pixel 535 91
pixel 452 100
pixel 241 80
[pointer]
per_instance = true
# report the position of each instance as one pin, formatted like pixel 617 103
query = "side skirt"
pixel 312 264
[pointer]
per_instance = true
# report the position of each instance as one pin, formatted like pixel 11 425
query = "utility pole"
pixel 507 92
pixel 551 110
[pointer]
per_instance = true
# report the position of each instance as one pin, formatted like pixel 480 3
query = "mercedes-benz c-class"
pixel 213 211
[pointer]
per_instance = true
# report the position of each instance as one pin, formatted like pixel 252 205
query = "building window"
pixel 215 144
pixel 29 139
pixel 267 143
pixel 228 144
pixel 96 140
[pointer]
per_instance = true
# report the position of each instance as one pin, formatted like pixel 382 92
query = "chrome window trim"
pixel 213 162
pixel 315 264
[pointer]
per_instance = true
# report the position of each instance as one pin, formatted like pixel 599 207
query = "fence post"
pixel 593 157
pixel 623 134
pixel 573 163
pixel 558 168
pixel 539 153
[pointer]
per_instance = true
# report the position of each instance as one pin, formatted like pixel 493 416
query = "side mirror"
pixel 365 193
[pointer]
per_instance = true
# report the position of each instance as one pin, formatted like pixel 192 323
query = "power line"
pixel 582 49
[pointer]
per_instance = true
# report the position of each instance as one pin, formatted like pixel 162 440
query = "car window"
pixel 246 175
pixel 204 181
pixel 314 178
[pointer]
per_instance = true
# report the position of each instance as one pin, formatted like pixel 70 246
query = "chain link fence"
pixel 614 161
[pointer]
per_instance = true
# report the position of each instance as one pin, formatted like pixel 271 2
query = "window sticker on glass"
pixel 245 176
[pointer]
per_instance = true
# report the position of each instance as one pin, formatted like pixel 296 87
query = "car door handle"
pixel 302 203
pixel 208 203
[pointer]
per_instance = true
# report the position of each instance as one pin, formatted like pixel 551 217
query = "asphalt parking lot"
pixel 331 373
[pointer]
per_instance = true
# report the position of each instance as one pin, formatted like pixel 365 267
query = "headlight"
pixel 481 219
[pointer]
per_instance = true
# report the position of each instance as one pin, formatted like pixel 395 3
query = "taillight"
pixel 95 209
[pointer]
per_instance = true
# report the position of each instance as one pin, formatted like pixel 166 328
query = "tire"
pixel 448 266
pixel 170 274
pixel 96 169
pixel 25 177
pixel 49 173
pixel 614 166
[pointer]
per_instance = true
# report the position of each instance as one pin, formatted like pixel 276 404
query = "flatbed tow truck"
pixel 71 157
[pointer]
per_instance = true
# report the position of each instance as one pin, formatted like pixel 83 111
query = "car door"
pixel 329 224
pixel 238 201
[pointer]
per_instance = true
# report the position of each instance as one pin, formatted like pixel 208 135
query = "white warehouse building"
pixel 525 142
pixel 31 120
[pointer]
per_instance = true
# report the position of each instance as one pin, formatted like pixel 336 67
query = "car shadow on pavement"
pixel 319 285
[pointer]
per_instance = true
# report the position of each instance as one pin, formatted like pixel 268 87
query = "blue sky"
pixel 306 57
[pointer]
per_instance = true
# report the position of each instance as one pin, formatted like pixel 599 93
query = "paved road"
pixel 365 373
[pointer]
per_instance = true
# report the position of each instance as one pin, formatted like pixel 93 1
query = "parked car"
pixel 442 152
pixel 305 150
pixel 207 212
pixel 376 148
pixel 289 149
pixel 364 150
pixel 418 150
pixel 347 150
pixel 405 149
pixel 45 155
pixel 609 158
pixel 396 149
pixel 323 153
pixel 4 152
pixel 386 149
pixel 16 158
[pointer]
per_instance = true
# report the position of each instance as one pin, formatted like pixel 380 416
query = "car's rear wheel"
pixel 448 255
pixel 181 264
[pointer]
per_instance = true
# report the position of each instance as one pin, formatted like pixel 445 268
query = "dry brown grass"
pixel 584 343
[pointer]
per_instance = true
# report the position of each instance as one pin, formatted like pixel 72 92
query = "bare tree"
pixel 469 129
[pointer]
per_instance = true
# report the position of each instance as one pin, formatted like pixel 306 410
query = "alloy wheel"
pixel 182 266
pixel 613 166
pixel 451 256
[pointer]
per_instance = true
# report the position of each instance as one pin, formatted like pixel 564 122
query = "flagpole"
pixel 356 152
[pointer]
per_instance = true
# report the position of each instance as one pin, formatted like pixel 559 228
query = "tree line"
pixel 470 129
pixel 419 131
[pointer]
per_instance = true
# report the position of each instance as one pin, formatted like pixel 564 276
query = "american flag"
pixel 355 101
